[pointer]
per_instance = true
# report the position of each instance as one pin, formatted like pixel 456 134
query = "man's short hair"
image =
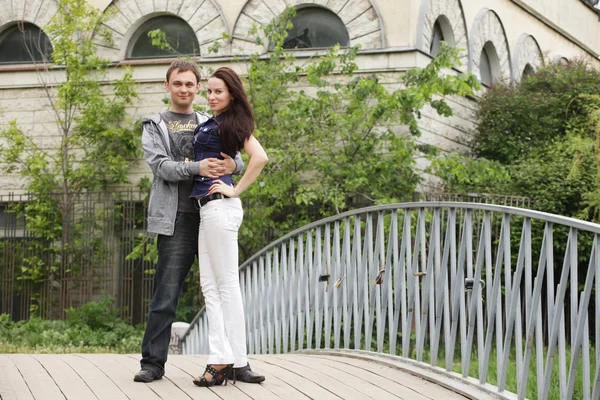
pixel 182 66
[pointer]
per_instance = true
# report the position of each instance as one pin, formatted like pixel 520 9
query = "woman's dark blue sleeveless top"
pixel 207 144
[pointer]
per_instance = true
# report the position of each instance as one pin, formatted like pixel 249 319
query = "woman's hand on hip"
pixel 219 187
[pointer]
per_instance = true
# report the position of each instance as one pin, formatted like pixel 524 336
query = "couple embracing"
pixel 195 210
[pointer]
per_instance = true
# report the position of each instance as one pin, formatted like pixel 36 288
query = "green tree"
pixel 332 133
pixel 95 141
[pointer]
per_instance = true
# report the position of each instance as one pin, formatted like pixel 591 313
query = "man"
pixel 167 142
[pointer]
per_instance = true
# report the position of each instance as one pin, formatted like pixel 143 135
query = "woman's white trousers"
pixel 220 221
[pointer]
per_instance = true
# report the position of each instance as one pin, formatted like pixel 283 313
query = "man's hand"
pixel 214 168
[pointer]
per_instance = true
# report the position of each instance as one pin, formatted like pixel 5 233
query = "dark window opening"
pixel 436 40
pixel 316 27
pixel 179 35
pixel 24 43
pixel 527 72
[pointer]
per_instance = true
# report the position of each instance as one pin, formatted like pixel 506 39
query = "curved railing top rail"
pixel 554 218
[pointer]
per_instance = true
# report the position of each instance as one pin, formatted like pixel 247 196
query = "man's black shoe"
pixel 245 374
pixel 145 375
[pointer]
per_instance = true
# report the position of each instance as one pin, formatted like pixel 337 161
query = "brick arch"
pixel 527 51
pixel 360 17
pixel 37 12
pixel 452 10
pixel 487 27
pixel 126 16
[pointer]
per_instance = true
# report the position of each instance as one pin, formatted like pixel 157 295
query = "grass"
pixel 511 373
pixel 93 328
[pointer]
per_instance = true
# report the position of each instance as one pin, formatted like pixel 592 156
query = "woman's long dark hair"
pixel 237 123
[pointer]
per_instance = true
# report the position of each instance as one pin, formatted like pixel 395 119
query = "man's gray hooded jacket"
pixel 162 207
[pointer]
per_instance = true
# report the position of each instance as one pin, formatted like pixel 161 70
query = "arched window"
pixel 436 40
pixel 442 30
pixel 528 71
pixel 489 65
pixel 485 70
pixel 24 43
pixel 316 27
pixel 179 35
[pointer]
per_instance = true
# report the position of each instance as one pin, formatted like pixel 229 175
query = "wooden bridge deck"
pixel 289 376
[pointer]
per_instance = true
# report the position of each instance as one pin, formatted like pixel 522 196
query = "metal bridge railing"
pixel 500 294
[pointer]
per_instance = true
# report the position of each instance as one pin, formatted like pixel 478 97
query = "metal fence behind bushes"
pixel 103 230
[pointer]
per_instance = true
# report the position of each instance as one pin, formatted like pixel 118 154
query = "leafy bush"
pixel 94 327
pixel 516 120
pixel 537 139
pixel 462 175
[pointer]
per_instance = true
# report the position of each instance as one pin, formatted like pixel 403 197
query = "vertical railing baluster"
pixel 337 262
pixel 534 320
pixel 394 278
pixel 246 300
pixel 414 293
pixel 412 285
pixel 367 268
pixel 539 333
pixel 420 264
pixel 465 317
pixel 285 295
pixel 262 295
pixel 438 280
pixel 574 295
pixel 300 281
pixel 279 302
pixel 427 301
pixel 255 310
pixel 359 284
pixel 450 335
pixel 270 302
pixel 585 358
pixel 495 310
pixel 318 292
pixel 328 300
pixel 405 262
pixel 556 334
pixel 387 292
pixel 449 268
pixel 292 293
pixel 507 262
pixel 458 300
pixel 440 289
pixel 581 323
pixel 526 245
pixel 346 285
pixel 249 312
pixel 379 262
pixel 475 312
pixel 310 285
pixel 513 310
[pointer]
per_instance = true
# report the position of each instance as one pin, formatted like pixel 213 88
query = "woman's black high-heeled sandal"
pixel 230 373
pixel 218 376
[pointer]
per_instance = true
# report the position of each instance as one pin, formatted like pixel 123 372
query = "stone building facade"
pixel 502 40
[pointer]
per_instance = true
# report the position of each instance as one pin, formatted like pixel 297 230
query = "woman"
pixel 221 214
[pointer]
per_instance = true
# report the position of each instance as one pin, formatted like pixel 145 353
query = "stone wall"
pixel 395 35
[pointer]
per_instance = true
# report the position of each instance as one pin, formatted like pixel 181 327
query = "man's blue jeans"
pixel 175 257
